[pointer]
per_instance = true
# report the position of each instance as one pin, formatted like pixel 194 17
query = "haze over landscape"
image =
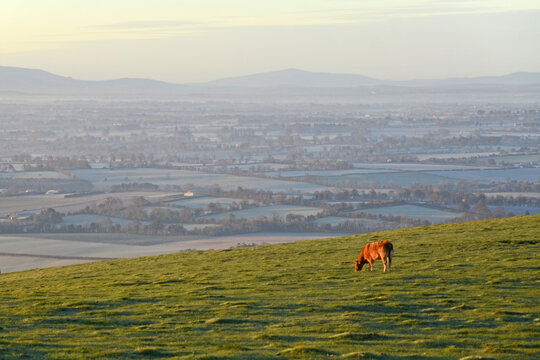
pixel 312 118
pixel 184 42
pixel 187 155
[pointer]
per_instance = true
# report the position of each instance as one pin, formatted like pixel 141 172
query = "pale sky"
pixel 200 40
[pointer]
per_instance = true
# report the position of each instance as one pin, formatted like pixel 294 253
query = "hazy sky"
pixel 200 40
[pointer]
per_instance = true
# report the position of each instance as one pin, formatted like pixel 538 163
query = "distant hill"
pixel 517 78
pixel 471 281
pixel 295 77
pixel 21 79
pixel 302 78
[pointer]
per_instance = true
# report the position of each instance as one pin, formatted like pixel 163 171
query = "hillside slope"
pixel 468 289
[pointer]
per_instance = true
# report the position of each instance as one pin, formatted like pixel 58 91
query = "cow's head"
pixel 359 264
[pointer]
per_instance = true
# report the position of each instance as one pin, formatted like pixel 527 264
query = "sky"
pixel 185 41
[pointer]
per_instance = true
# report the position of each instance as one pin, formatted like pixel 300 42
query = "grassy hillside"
pixel 460 290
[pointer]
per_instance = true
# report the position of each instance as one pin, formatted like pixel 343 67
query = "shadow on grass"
pixel 405 357
pixel 172 281
pixel 283 338
pixel 37 350
pixel 248 356
pixel 148 353
pixel 106 322
pixel 379 309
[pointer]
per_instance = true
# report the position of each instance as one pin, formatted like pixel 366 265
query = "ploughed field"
pixel 458 290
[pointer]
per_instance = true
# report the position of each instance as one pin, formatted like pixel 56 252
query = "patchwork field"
pixel 516 159
pixel 426 174
pixel 518 210
pixel 412 167
pixel 88 219
pixel 514 194
pixel 34 175
pixel 413 212
pixel 13 204
pixel 334 220
pixel 324 173
pixel 502 175
pixel 455 291
pixel 202 202
pixel 402 178
pixel 456 155
pixel 281 210
pixel 103 178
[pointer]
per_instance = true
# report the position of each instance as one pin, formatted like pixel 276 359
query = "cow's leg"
pixel 370 264
pixel 382 256
pixel 389 262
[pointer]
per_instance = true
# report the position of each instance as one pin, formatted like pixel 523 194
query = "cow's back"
pixel 372 250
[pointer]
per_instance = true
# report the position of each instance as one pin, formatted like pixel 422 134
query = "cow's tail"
pixel 389 250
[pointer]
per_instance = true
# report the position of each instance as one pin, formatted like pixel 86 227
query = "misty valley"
pixel 87 175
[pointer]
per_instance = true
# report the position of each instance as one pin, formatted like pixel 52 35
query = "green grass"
pixel 459 290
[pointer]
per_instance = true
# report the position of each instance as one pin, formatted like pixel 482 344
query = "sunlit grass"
pixel 455 290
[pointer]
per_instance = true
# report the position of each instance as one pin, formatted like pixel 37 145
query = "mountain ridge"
pixel 15 78
pixel 24 79
pixel 295 77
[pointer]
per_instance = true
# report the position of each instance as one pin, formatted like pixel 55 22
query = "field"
pixel 323 173
pixel 455 155
pixel 412 167
pixel 517 174
pixel 460 290
pixel 413 212
pixel 202 202
pixel 435 177
pixel 255 165
pixel 34 175
pixel 334 220
pixel 402 178
pixel 103 178
pixel 518 210
pixel 268 211
pixel 426 174
pixel 514 194
pixel 32 251
pixel 516 159
pixel 13 204
pixel 88 219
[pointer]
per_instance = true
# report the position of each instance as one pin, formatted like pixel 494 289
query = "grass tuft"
pixel 151 352
pixel 463 306
pixel 355 355
pixel 302 350
pixel 357 336
pixel 218 320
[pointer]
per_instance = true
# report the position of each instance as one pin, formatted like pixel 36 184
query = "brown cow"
pixel 374 251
